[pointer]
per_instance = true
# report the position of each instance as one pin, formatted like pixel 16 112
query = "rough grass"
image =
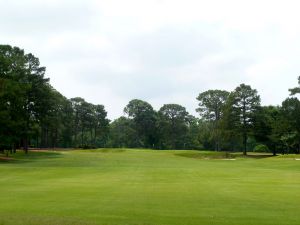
pixel 147 187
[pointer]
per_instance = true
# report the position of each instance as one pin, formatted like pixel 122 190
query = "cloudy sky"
pixel 161 51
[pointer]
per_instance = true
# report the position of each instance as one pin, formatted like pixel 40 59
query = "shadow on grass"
pixel 223 155
pixel 207 155
pixel 258 156
pixel 253 155
pixel 21 157
pixel 107 150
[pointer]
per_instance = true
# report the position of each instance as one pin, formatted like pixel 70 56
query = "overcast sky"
pixel 161 51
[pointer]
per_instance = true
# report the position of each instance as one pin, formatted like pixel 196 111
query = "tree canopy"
pixel 35 115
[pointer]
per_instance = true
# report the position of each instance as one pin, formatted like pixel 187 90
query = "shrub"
pixel 261 148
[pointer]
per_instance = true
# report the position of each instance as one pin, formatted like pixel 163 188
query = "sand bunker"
pixel 229 159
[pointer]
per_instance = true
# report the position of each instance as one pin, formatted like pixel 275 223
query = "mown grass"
pixel 147 187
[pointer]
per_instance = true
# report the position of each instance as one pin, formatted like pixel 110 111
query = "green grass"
pixel 143 187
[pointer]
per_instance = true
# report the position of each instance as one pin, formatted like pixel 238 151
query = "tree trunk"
pixel 217 146
pixel 55 138
pixel 244 128
pixel 37 141
pixel 91 139
pixel 14 148
pixel 95 136
pixel 274 151
pixel 25 145
pixel 75 138
pixel 82 137
pixel 217 136
pixel 245 143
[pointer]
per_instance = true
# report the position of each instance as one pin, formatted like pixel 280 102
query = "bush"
pixel 261 148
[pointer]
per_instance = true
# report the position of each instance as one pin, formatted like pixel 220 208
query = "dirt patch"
pixel 228 159
pixel 51 149
pixel 40 150
pixel 3 158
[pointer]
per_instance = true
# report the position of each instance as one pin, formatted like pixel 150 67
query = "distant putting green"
pixel 147 187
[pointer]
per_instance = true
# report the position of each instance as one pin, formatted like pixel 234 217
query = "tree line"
pixel 35 115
